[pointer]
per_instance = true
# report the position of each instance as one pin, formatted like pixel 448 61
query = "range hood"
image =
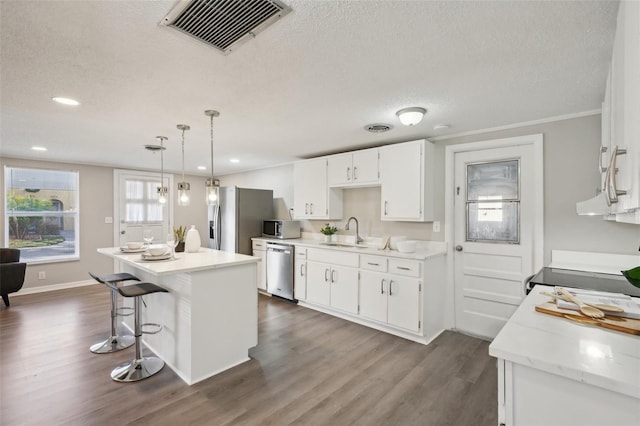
pixel 596 206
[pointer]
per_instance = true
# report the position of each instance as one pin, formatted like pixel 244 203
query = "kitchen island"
pixel 552 371
pixel 209 316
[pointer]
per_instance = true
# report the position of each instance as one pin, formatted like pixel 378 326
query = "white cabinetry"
pixel 312 199
pixel 358 168
pixel 393 299
pixel 620 123
pixel 332 279
pixel 300 274
pixel 260 250
pixel 406 174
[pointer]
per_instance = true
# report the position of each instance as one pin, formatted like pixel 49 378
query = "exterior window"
pixel 41 213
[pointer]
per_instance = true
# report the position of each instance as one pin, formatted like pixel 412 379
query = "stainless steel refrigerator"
pixel 238 218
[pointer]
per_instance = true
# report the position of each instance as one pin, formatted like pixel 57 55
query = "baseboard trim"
pixel 52 287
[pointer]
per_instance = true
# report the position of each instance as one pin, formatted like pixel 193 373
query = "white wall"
pixel 96 203
pixel 570 152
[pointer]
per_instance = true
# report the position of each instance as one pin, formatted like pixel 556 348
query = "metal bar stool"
pixel 140 367
pixel 114 342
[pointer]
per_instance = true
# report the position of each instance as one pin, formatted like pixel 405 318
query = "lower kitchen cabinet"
pixel 333 285
pixel 391 299
pixel 259 250
pixel 300 274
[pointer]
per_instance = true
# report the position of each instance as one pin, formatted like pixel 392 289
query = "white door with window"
pixel 137 208
pixel 497 229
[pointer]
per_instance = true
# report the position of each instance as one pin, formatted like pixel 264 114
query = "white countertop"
pixel 204 259
pixel 605 358
pixel 424 250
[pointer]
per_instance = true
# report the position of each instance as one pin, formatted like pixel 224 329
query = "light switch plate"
pixel 108 220
pixel 436 226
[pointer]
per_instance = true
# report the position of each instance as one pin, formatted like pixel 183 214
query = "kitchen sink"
pixel 343 245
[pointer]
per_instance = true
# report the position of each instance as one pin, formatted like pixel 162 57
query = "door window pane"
pixel 493 202
pixel 141 201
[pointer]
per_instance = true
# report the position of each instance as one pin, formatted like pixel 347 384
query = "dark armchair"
pixel 11 272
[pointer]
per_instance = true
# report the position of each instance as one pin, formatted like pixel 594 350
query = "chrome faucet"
pixel 358 237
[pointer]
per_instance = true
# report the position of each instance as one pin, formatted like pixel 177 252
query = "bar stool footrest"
pixel 124 311
pixel 154 328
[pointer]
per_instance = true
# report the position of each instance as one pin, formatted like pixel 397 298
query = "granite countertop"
pixel 203 259
pixel 424 249
pixel 600 357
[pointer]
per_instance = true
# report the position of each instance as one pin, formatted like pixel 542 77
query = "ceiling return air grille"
pixel 224 24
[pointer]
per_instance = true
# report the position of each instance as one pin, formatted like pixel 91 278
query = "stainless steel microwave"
pixel 282 229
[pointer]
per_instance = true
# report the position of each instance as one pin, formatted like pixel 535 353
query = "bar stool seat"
pixel 114 342
pixel 140 367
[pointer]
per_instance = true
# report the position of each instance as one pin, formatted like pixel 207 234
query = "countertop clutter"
pixel 424 249
pixel 543 359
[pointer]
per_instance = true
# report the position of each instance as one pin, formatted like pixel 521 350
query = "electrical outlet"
pixel 42 275
pixel 108 220
pixel 436 226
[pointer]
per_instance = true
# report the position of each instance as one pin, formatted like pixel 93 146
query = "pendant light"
pixel 162 190
pixel 183 187
pixel 211 184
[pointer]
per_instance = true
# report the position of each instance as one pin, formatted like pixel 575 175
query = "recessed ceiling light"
pixel 202 168
pixel 441 127
pixel 38 148
pixel 66 101
pixel 234 160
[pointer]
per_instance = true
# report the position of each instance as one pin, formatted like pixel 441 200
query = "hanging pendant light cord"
pixel 183 155
pixel 211 149
pixel 162 163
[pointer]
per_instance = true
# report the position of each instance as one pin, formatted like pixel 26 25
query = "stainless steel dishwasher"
pixel 280 269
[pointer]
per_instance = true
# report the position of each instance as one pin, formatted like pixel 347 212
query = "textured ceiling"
pixel 305 86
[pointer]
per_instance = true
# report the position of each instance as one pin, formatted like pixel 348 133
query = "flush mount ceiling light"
pixel 378 127
pixel 65 101
pixel 162 190
pixel 411 116
pixel 211 185
pixel 183 187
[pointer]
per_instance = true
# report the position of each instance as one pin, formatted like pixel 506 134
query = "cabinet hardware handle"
pixel 310 208
pixel 404 268
pixel 601 169
pixel 302 270
pixel 386 203
pixel 333 276
pixel 390 284
pixel 306 208
pixel 373 264
pixel 355 173
pixel 610 189
pixel 382 286
pixel 326 279
pixel 348 173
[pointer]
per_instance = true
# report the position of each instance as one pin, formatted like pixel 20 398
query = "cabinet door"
pixel 344 289
pixel 365 167
pixel 401 175
pixel 300 279
pixel 339 169
pixel 316 175
pixel 373 295
pixel 301 187
pixel 262 269
pixel 318 283
pixel 403 302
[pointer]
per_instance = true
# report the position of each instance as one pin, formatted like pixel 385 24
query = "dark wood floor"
pixel 308 368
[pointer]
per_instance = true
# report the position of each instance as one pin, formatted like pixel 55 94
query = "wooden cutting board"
pixel 625 325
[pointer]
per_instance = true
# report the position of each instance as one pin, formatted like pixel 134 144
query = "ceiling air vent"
pixel 378 127
pixel 224 24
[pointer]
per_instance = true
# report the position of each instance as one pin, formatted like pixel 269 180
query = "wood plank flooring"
pixel 308 369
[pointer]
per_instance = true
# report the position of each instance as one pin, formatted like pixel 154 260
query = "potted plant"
pixel 328 231
pixel 179 233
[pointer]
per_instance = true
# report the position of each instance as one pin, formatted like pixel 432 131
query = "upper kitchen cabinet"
pixel 358 168
pixel 620 151
pixel 406 174
pixel 312 198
